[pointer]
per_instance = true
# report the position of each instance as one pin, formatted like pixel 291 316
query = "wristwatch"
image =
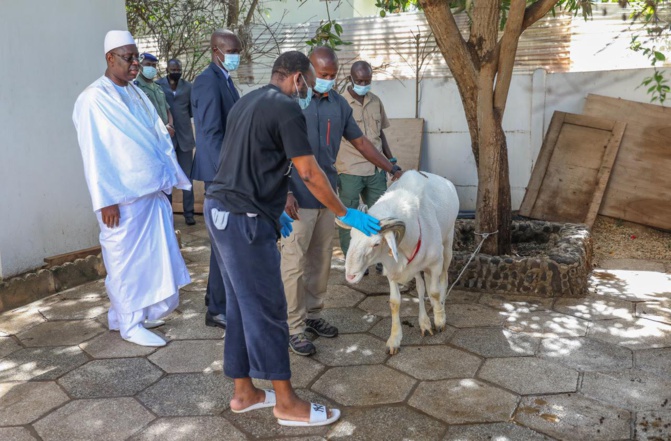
pixel 394 169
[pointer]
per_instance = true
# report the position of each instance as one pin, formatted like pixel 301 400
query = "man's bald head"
pixel 224 42
pixel 325 62
pixel 361 68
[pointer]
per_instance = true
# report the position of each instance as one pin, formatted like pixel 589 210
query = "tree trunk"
pixel 232 13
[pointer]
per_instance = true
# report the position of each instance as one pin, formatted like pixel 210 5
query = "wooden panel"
pixel 572 170
pixel 405 141
pixel 639 188
pixel 404 137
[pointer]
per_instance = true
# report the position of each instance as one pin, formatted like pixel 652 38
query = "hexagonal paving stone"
pixel 60 333
pixel 595 308
pixel 379 305
pixel 102 420
pixel 411 332
pixel 653 426
pixel 262 424
pixel 190 356
pixel 350 349
pixel 463 401
pixel 392 423
pixel 340 296
pixel 8 345
pixel 111 345
pixel 23 403
pixel 529 375
pixel 40 363
pixel 516 303
pixel 189 394
pixel 658 311
pixel 190 428
pixel 95 289
pixel 191 326
pixel 350 320
pixel 460 296
pixel 586 354
pixel 633 334
pixel 496 342
pixel 20 319
pixel 303 372
pixel 546 324
pixel 16 434
pixel 470 316
pixel 435 362
pixel 630 285
pixel 76 309
pixel 574 417
pixel 632 389
pixel 364 385
pixel 110 378
pixel 493 432
pixel 371 284
pixel 655 361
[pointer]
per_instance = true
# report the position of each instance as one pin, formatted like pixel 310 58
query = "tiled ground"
pixel 506 368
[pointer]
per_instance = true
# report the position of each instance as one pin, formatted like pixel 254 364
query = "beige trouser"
pixel 306 262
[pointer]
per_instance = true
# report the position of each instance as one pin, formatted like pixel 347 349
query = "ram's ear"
pixel 390 237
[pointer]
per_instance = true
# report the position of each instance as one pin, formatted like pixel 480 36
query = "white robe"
pixel 129 160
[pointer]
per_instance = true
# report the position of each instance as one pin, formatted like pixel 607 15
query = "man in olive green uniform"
pixel 145 81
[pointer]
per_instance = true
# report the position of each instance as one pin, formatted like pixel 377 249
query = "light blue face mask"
pixel 323 86
pixel 231 61
pixel 149 72
pixel 360 90
pixel 303 102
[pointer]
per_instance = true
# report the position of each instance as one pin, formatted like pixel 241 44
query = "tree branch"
pixel 536 11
pixel 506 53
pixel 250 14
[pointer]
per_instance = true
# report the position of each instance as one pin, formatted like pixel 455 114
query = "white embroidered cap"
pixel 115 39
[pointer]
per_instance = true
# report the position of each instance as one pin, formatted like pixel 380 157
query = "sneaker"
pixel 299 344
pixel 321 328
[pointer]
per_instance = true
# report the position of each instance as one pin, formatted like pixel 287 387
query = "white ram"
pixel 417 215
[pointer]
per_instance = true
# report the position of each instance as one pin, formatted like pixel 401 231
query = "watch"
pixel 394 169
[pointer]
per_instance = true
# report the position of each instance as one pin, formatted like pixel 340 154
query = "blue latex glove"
pixel 285 222
pixel 361 221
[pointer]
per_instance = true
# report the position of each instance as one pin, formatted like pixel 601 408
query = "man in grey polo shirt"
pixel 306 253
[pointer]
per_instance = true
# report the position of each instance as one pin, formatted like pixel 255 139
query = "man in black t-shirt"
pixel 265 135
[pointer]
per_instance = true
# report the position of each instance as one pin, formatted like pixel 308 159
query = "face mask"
pixel 175 76
pixel 149 72
pixel 231 61
pixel 323 86
pixel 303 102
pixel 360 90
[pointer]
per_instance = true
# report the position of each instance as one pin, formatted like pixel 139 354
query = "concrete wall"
pixel 52 49
pixel 299 11
pixel 533 98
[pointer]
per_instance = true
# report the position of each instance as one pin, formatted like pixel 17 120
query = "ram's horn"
pixel 395 225
pixel 342 224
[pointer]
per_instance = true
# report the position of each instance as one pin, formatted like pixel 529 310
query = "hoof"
pixel 440 328
pixel 426 332
pixel 392 351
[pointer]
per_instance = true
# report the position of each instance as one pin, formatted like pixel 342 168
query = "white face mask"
pixel 149 72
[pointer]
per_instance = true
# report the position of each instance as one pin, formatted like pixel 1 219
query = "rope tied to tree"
pixel 477 250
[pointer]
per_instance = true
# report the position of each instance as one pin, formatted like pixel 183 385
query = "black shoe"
pixel 190 220
pixel 379 268
pixel 301 345
pixel 218 320
pixel 321 327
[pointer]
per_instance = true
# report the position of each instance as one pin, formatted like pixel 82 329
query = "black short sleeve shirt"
pixel 264 130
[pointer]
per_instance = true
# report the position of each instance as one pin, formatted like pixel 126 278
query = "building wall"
pixel 297 11
pixel 52 49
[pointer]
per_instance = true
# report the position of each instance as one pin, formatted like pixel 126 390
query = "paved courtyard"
pixel 506 368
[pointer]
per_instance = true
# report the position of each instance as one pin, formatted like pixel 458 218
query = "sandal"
pixel 318 417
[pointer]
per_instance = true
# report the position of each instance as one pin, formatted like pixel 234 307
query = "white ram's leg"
pixel 435 295
pixel 447 260
pixel 424 320
pixel 394 341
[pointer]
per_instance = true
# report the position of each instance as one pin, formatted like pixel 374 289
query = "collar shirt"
pixel 372 119
pixel 156 95
pixel 329 119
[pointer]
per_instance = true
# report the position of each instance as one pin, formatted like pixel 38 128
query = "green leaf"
pixel 660 56
pixel 383 13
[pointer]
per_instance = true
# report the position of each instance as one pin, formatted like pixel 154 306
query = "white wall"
pixel 303 11
pixel 51 50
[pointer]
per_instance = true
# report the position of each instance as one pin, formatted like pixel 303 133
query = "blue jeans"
pixel 257 334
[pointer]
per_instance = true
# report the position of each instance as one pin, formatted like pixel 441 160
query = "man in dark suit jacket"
pixel 178 94
pixel 212 97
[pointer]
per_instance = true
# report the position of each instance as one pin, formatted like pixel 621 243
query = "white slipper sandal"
pixel 318 417
pixel 268 402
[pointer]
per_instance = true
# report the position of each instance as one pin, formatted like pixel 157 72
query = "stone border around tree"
pixel 561 271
